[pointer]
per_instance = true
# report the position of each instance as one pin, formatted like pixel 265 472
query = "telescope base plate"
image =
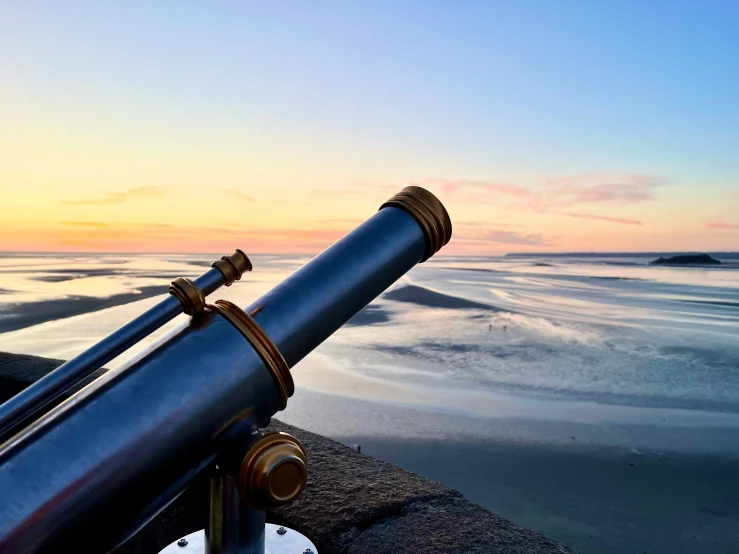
pixel 290 542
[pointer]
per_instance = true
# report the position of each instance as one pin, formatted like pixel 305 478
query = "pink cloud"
pixel 511 237
pixel 721 225
pixel 499 237
pixel 452 187
pixel 622 193
pixel 598 177
pixel 600 188
pixel 604 218
pixel 587 188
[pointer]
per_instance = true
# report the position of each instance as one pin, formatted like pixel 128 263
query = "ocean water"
pixel 514 343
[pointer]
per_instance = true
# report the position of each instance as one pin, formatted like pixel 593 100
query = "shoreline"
pixel 502 416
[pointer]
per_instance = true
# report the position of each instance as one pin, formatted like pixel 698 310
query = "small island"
pixel 687 259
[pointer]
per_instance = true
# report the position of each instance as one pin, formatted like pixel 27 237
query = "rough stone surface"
pixel 451 526
pixel 348 492
pixel 17 371
pixel 353 504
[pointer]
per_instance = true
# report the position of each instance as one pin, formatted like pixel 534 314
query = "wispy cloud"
pixel 335 192
pixel 153 237
pixel 119 197
pixel 462 226
pixel 499 237
pixel 721 225
pixel 600 188
pixel 84 223
pixel 340 222
pixel 607 177
pixel 594 188
pixel 604 218
pixel 618 189
pixel 511 237
pixel 454 186
pixel 238 194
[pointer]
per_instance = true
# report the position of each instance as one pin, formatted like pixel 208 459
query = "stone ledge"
pixel 17 371
pixel 352 504
pixel 451 526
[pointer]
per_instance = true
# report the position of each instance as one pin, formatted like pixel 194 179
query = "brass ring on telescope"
pixel 189 295
pixel 430 214
pixel 233 267
pixel 262 344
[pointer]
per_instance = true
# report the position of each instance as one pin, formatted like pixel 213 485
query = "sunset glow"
pixel 199 128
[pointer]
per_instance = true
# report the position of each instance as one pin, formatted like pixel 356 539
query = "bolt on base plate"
pixel 275 540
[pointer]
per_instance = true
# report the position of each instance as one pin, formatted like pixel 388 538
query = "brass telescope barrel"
pixel 88 474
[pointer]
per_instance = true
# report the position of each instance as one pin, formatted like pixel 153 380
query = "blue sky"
pixel 329 93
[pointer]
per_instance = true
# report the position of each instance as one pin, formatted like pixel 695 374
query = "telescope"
pixel 90 472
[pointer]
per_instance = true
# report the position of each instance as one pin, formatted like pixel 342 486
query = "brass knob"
pixel 273 471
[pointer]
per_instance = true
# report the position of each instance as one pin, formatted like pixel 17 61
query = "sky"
pixel 543 125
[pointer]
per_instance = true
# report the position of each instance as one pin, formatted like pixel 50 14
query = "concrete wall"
pixel 353 504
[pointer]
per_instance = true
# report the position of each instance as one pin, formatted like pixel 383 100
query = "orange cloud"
pixel 119 197
pixel 238 194
pixel 340 222
pixel 340 192
pixel 125 237
pixel 84 223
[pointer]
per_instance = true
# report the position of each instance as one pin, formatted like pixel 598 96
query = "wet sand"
pixel 33 313
pixel 14 317
pixel 432 299
pixel 551 477
pixel 421 296
pixel 369 316
pixel 593 500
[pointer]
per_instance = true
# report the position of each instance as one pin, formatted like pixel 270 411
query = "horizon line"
pixel 439 254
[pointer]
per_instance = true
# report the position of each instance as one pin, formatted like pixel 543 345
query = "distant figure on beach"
pixel 490 327
pixel 505 328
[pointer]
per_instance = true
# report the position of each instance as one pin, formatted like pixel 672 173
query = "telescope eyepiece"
pixel 233 267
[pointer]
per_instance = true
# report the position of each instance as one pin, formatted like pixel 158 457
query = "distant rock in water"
pixel 688 259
